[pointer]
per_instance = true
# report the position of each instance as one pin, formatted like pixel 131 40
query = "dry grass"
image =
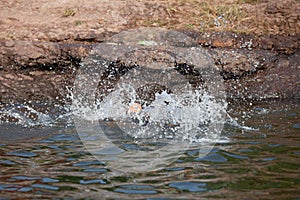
pixel 219 17
pixel 199 15
pixel 68 12
pixel 240 16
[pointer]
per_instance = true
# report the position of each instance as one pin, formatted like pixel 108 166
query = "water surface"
pixel 256 158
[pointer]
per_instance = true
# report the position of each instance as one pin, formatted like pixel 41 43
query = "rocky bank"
pixel 254 44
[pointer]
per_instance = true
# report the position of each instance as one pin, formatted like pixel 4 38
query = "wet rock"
pixel 23 54
pixel 146 93
pixel 280 81
pixel 263 62
pixel 45 86
pixel 252 66
pixel 237 63
pixel 276 43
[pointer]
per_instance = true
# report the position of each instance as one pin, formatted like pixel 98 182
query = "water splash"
pixel 35 114
pixel 184 116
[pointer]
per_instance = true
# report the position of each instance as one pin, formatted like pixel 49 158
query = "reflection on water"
pixel 262 162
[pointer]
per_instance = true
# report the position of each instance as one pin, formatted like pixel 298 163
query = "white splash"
pixel 192 116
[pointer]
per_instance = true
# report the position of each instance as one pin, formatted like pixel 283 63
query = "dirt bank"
pixel 254 43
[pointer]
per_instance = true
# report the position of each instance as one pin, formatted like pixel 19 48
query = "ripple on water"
pixel 25 189
pixel 100 170
pixel 25 178
pixel 271 167
pixel 88 163
pixel 296 126
pixel 195 152
pixel 7 162
pixel 136 189
pixel 44 186
pixel 245 150
pixel 49 180
pixel 213 157
pixel 189 186
pixel 93 181
pixel 53 147
pixel 235 155
pixel 175 169
pixel 7 187
pixel 268 159
pixel 274 145
pixel 25 154
pixel 61 138
pixel 158 198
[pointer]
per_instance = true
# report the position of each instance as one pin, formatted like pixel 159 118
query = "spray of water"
pixel 146 96
pixel 141 100
pixel 187 116
pixel 35 114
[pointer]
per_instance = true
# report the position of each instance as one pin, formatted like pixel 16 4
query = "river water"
pixel 256 157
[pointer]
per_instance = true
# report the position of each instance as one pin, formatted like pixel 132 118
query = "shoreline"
pixel 254 43
pixel 268 68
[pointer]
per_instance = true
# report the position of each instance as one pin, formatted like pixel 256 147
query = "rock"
pixel 280 81
pixel 23 54
pixel 252 66
pixel 237 63
pixel 46 86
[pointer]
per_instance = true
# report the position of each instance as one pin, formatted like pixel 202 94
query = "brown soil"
pixel 255 43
